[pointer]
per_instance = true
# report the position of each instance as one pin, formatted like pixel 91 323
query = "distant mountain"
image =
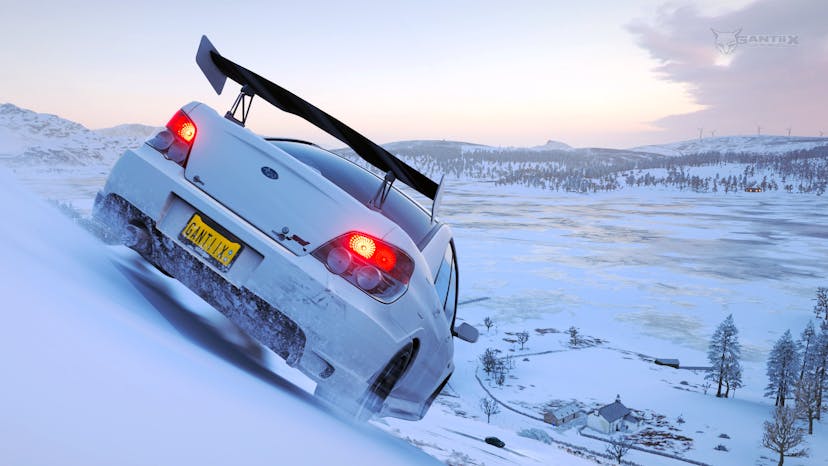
pixel 39 140
pixel 736 145
pixel 553 145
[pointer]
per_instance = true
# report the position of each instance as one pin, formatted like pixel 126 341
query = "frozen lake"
pixel 650 264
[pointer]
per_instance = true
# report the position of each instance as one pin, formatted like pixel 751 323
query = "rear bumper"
pixel 281 334
pixel 332 332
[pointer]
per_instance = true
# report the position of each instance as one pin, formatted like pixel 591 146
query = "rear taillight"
pixel 372 265
pixel 176 141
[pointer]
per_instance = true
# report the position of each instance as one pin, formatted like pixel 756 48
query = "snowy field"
pixel 649 271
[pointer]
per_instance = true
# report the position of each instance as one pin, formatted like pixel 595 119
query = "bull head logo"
pixel 726 42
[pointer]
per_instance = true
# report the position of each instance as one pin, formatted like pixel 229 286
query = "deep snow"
pixel 107 362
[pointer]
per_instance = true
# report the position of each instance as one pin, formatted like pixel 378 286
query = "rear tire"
pixel 384 382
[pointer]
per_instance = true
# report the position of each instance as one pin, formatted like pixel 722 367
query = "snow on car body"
pixel 330 266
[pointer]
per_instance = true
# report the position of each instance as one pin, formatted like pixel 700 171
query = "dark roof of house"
pixel 614 411
pixel 631 418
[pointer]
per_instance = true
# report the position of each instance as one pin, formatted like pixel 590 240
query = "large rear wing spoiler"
pixel 217 69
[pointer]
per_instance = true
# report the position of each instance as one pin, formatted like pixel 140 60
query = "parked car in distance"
pixel 496 442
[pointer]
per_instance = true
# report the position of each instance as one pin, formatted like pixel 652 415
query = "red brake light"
pixel 385 258
pixel 176 141
pixel 362 245
pixel 182 126
pixel 379 269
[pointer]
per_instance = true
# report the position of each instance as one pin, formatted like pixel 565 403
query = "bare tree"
pixel 500 376
pixel 522 338
pixel 701 130
pixel 489 323
pixel 805 394
pixel 783 436
pixel 618 447
pixel 573 336
pixel 489 407
pixel 488 360
pixel 789 131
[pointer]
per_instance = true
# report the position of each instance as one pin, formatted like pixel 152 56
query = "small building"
pixel 674 363
pixel 614 417
pixel 561 415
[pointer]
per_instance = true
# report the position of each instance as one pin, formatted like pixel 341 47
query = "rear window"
pixel 361 185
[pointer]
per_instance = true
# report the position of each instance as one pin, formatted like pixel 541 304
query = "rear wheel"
pixel 385 381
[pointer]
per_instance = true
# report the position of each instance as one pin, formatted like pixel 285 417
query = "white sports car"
pixel 330 266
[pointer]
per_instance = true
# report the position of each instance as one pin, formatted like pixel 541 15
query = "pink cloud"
pixel 773 86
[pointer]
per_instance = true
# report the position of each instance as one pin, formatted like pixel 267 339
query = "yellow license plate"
pixel 219 246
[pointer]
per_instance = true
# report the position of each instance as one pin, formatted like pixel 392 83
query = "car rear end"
pixel 335 288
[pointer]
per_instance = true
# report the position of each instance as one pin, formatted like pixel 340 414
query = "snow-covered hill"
pixel 37 140
pixel 736 144
pixel 107 362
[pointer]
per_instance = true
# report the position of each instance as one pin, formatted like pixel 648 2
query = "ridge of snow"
pixel 760 144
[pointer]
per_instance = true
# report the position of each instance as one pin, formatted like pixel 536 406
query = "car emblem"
pixel 270 173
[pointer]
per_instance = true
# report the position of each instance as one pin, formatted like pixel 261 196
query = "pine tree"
pixel 732 376
pixel 783 369
pixel 807 390
pixel 723 355
pixel 574 338
pixel 820 363
pixel 806 345
pixel 821 306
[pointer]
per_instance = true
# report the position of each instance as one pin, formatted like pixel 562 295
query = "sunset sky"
pixel 587 72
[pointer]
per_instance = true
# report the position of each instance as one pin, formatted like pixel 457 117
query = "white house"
pixel 561 415
pixel 614 417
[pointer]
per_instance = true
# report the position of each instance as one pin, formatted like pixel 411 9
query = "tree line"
pixel 593 170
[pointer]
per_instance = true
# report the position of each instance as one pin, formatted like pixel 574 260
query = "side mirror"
pixel 466 332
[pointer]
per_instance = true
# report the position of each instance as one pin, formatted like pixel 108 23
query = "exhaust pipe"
pixel 137 238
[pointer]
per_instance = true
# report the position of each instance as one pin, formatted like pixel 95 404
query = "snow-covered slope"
pixel 30 139
pixel 99 369
pixel 736 144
